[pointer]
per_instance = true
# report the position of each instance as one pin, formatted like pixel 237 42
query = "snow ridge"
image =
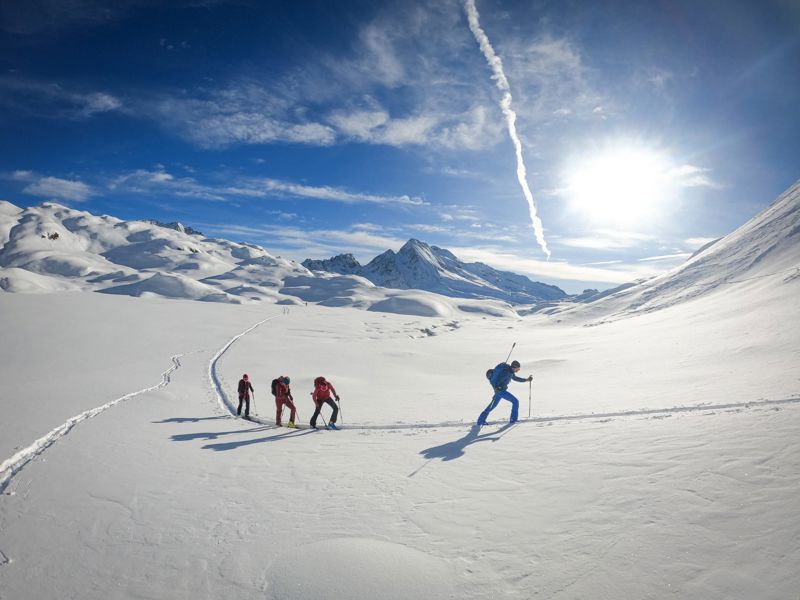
pixel 420 266
pixel 52 248
pixel 14 465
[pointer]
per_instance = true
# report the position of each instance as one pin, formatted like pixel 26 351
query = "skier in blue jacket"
pixel 502 375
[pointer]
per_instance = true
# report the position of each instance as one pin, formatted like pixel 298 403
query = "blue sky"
pixel 316 128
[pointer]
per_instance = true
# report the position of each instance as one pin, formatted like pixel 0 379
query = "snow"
pixel 660 459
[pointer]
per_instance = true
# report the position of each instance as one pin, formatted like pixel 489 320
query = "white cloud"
pixel 60 189
pixel 216 130
pixel 359 124
pixel 100 103
pixel 377 127
pixel 458 213
pixel 299 190
pixel 379 56
pixel 301 243
pixel 692 176
pixel 698 242
pixel 550 79
pixel 607 239
pixel 23 175
pixel 370 226
pixel 53 100
pixel 672 258
pixel 554 269
pixel 144 181
pixel 429 228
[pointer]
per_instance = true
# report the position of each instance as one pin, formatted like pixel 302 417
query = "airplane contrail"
pixel 511 117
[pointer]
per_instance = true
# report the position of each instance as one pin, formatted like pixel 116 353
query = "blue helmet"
pixel 286 380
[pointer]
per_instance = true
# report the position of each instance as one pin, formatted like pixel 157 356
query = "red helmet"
pixel 244 376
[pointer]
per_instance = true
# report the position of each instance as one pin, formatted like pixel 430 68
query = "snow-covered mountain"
pixel 763 252
pixel 53 248
pixel 176 225
pixel 420 266
pixel 344 264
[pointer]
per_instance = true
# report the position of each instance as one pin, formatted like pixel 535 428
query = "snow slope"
pixel 764 252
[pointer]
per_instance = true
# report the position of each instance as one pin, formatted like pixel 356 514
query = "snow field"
pixel 166 491
pixel 661 460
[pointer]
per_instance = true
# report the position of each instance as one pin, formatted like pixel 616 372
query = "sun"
pixel 620 185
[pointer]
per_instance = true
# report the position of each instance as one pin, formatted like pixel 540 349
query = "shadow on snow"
pixel 457 449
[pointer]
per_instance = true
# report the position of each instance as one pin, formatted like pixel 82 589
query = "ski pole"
pixel 323 419
pixel 254 403
pixel 510 351
pixel 296 410
pixel 530 386
pixel 341 414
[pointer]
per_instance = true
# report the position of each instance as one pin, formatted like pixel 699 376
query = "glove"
pixel 337 398
pixel 498 389
pixel 530 377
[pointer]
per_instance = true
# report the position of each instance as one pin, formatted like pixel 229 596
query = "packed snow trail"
pixel 216 384
pixel 15 464
pixel 646 412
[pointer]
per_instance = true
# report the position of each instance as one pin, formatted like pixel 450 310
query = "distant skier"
pixel 283 397
pixel 245 387
pixel 501 376
pixel 322 395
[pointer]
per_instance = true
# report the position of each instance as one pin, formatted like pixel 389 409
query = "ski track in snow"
pixel 653 413
pixel 16 463
pixel 213 378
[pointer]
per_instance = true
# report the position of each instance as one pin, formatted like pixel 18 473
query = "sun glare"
pixel 622 186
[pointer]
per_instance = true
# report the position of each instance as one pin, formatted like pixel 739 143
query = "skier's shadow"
pixel 457 448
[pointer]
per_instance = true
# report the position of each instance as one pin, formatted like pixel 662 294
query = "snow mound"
pixel 173 286
pixel 20 281
pixel 359 569
pixel 9 214
pixel 413 304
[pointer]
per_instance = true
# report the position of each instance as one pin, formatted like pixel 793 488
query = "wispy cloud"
pixel 299 244
pixel 677 258
pixel 607 239
pixel 299 190
pixel 146 181
pixel 692 176
pixel 698 242
pixel 243 114
pixel 143 181
pixel 554 80
pixel 53 188
pixel 557 270
pixel 54 100
pixel 458 213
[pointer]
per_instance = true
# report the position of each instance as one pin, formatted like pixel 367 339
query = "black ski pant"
pixel 329 402
pixel 246 400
